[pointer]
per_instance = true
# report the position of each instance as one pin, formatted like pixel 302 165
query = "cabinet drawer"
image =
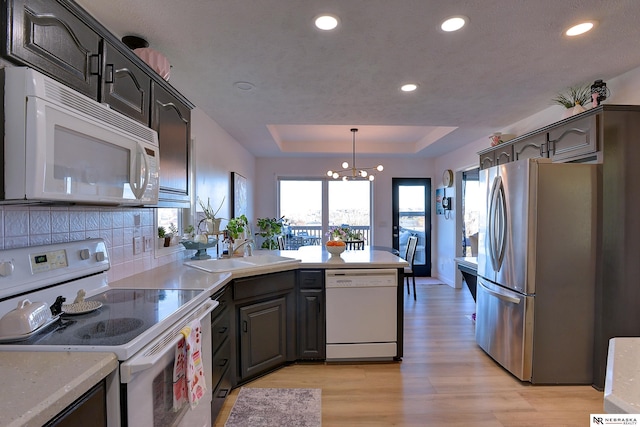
pixel 221 361
pixel 263 285
pixel 223 296
pixel 310 279
pixel 573 140
pixel 220 394
pixel 220 329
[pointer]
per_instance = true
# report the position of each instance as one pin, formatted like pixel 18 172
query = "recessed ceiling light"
pixel 581 28
pixel 244 86
pixel 409 87
pixel 326 22
pixel 454 23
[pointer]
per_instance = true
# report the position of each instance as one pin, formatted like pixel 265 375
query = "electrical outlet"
pixel 137 245
pixel 148 243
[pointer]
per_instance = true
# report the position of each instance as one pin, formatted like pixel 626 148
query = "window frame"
pixel 325 201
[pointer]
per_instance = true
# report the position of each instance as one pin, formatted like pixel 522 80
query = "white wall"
pixel 216 155
pixel 625 89
pixel 269 169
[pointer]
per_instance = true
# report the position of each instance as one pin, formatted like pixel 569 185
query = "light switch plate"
pixel 137 245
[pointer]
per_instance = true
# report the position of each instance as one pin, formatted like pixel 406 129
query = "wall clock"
pixel 447 178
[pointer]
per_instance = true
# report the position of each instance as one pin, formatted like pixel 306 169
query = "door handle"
pixel 108 79
pixel 498 295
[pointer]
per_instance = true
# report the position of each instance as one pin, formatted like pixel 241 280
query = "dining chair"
pixel 281 243
pixel 355 244
pixel 409 257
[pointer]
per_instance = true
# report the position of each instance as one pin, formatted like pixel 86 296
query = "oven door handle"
pixel 166 342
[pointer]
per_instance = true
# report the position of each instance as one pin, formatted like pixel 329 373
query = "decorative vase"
pixel 572 111
pixel 213 225
pixel 336 250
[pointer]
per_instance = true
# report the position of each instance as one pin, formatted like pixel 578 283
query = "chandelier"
pixel 353 173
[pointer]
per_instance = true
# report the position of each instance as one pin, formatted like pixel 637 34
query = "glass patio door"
pixel 411 207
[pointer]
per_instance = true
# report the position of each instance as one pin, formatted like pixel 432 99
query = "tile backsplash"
pixel 22 226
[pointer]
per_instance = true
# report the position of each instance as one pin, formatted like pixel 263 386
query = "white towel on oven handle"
pixel 179 373
pixel 196 383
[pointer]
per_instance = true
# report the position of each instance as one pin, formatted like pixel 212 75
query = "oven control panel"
pixel 47 261
pixel 29 268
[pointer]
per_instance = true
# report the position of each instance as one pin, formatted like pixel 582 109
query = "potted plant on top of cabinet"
pixel 574 99
pixel 269 229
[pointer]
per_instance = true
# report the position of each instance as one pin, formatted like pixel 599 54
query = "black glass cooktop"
pixel 125 314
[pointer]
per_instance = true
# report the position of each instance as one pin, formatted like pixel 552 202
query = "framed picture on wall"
pixel 238 194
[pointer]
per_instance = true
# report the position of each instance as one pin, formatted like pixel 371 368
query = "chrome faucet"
pixel 249 247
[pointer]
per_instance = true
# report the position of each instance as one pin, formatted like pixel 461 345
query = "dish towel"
pixel 188 371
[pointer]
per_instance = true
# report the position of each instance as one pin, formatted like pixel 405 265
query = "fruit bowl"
pixel 335 247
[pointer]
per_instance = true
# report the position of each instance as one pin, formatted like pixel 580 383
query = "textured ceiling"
pixel 311 87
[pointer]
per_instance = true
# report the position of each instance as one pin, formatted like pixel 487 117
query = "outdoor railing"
pixel 307 235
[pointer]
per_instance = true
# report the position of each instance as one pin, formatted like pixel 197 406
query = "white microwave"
pixel 61 146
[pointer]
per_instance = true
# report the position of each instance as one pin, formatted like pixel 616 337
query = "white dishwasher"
pixel 361 314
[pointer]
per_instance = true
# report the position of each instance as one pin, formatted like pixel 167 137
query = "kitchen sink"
pixel 241 263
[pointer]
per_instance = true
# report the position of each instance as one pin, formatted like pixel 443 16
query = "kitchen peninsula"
pixel 292 296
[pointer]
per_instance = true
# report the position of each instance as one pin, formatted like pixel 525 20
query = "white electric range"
pixel 141 326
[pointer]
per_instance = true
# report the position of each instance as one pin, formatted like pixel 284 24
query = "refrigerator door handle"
pixel 497 224
pixel 493 225
pixel 498 295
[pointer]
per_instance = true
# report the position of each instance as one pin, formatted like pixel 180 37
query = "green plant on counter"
pixel 162 232
pixel 236 226
pixel 189 231
pixel 269 229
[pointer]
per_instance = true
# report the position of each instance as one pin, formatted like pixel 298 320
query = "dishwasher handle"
pixel 159 347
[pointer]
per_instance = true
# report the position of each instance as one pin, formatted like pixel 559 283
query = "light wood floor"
pixel 444 379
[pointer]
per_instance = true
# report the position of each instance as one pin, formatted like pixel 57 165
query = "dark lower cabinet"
pixel 89 408
pixel 311 335
pixel 263 336
pixel 265 325
pixel 221 339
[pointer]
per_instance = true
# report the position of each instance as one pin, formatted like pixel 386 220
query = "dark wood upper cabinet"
pixel 46 36
pixel 171 118
pixel 61 40
pixel 125 87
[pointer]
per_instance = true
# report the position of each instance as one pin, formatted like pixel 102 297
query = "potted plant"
pixel 164 239
pixel 210 219
pixel 574 99
pixel 189 232
pixel 236 227
pixel 174 236
pixel 269 229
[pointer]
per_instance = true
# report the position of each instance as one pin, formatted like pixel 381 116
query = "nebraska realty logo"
pixel 614 419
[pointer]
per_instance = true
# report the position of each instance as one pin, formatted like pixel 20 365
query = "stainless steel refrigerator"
pixel 536 269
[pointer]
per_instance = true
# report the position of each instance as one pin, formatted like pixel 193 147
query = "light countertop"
pixel 36 386
pixel 622 384
pixel 318 257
